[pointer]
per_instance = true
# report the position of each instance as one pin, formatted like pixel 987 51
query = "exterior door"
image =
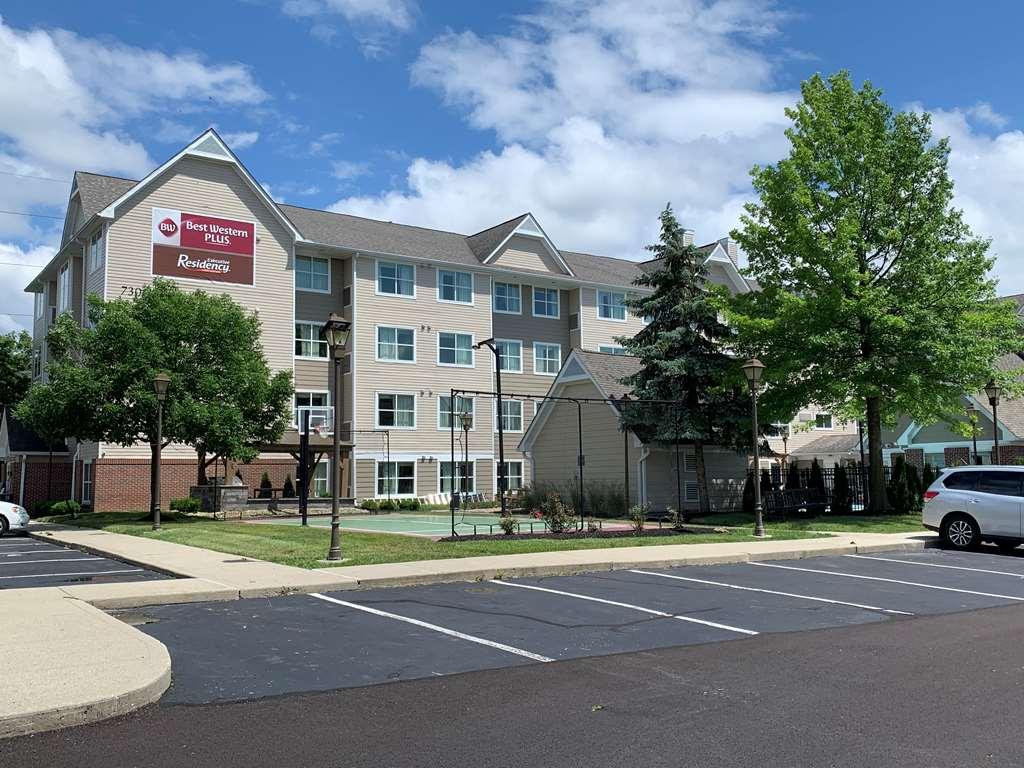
pixel 998 507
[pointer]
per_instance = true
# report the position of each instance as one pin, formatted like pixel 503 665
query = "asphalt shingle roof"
pixel 609 371
pixel 483 243
pixel 1011 410
pixel 97 192
pixel 829 444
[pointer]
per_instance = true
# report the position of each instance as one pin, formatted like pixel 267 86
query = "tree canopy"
pixel 15 366
pixel 875 299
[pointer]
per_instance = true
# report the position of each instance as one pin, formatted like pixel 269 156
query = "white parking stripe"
pixel 938 565
pixel 435 628
pixel 80 573
pixel 640 608
pixel 61 560
pixel 891 581
pixel 774 592
pixel 17 553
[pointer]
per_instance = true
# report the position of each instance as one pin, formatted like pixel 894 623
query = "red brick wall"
pixel 1009 454
pixel 36 483
pixel 957 457
pixel 914 457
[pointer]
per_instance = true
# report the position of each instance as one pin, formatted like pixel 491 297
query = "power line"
pixel 29 176
pixel 36 215
pixel 20 264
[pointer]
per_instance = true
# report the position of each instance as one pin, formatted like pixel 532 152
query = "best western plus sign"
pixel 197 247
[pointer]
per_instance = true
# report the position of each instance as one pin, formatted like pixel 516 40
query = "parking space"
pixel 254 648
pixel 27 562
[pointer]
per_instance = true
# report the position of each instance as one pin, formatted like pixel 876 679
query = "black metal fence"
pixel 792 492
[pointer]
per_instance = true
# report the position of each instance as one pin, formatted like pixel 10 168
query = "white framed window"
pixel 319 406
pixel 37 363
pixel 87 482
pixel 313 274
pixel 64 288
pixel 510 355
pixel 455 349
pixel 511 416
pixel 547 358
pixel 96 250
pixel 395 279
pixel 508 298
pixel 396 478
pixel 462 470
pixel 444 411
pixel 545 302
pixel 454 287
pixel 396 411
pixel 396 345
pixel 309 340
pixel 39 305
pixel 823 421
pixel 513 475
pixel 320 480
pixel 611 349
pixel 611 305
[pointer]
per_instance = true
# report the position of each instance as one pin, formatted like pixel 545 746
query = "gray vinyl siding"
pixel 726 473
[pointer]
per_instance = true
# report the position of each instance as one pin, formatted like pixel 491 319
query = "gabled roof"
pixel 21 439
pixel 486 242
pixel 1010 410
pixel 829 444
pixel 97 192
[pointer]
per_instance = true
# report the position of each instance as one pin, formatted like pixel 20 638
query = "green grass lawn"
pixel 849 523
pixel 305 547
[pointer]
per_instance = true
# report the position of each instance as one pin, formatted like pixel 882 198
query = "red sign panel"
pixel 202 265
pixel 200 247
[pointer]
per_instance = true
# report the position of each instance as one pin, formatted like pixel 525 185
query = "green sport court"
pixel 413 524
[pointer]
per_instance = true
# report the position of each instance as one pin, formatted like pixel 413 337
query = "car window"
pixel 961 481
pixel 1002 483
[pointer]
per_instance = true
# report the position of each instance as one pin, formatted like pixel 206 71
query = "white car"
pixel 969 505
pixel 13 519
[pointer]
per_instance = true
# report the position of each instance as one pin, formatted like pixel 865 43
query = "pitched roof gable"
pixel 485 242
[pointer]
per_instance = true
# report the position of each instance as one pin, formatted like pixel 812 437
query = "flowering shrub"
pixel 557 515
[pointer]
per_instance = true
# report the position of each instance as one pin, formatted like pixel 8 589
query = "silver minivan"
pixel 969 505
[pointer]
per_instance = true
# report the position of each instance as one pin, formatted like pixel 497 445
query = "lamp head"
pixel 752 369
pixel 336 331
pixel 993 390
pixel 160 384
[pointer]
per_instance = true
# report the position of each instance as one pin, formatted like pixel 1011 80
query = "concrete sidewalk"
pixel 67 663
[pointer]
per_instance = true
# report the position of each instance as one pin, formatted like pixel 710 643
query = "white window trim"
pixel 831 419
pixel 458 460
pixel 522 471
pixel 472 287
pixel 546 344
pixel 87 465
pixel 597 307
pixel 507 311
pixel 329 275
pixel 606 349
pixel 472 352
pixel 376 410
pixel 458 427
pixel 522 417
pixel 495 358
pixel 558 303
pixel 376 344
pixel 396 495
pixel 100 259
pixel 318 324
pixel 376 279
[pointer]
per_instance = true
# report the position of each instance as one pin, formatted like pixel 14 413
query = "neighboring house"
pixel 609 453
pixel 418 300
pixel 28 467
pixel 814 433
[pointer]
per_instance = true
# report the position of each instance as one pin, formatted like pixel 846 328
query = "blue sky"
pixel 458 115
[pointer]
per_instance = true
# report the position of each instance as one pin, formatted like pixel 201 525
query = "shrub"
pixel 266 489
pixel 675 518
pixel 288 492
pixel 67 507
pixel 914 490
pixel 533 497
pixel 898 491
pixel 509 524
pixel 794 481
pixel 592 525
pixel 638 516
pixel 928 476
pixel 409 504
pixel 816 481
pixel 556 514
pixel 605 498
pixel 187 505
pixel 388 505
pixel 371 505
pixel 842 499
pixel 44 508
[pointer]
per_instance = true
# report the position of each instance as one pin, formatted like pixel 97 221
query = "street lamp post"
pixel 160 384
pixel 972 419
pixel 467 424
pixel 492 345
pixel 336 331
pixel 993 390
pixel 753 369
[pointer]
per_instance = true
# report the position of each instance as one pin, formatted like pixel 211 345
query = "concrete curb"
pixel 114 669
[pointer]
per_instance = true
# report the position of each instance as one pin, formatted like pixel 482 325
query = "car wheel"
pixel 3 526
pixel 1007 546
pixel 959 531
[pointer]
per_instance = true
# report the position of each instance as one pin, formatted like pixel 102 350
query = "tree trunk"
pixel 152 478
pixel 877 501
pixel 703 502
pixel 201 465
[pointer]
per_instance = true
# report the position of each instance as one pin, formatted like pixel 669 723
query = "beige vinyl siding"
pixel 522 252
pixel 312 375
pixel 425 379
pixel 726 473
pixel 310 305
pixel 215 189
pixel 802 430
pixel 595 331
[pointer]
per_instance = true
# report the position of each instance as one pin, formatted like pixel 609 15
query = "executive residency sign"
pixel 202 247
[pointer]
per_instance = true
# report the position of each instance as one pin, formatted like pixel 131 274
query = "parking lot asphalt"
pixel 27 562
pixel 255 648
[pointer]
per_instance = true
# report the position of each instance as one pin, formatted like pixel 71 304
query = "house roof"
pixel 21 439
pixel 1011 409
pixel 829 444
pixel 483 243
pixel 97 192
pixel 608 371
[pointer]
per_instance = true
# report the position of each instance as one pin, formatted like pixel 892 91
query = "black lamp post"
pixel 336 331
pixel 160 384
pixel 467 424
pixel 972 419
pixel 753 369
pixel 993 390
pixel 492 345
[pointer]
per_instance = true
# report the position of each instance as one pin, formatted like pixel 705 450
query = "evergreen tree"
pixel 842 501
pixel 266 487
pixel 794 481
pixel 915 491
pixel 682 353
pixel 816 481
pixel 898 492
pixel 927 477
pixel 288 491
pixel 748 495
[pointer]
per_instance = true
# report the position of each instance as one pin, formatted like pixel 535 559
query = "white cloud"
pixel 18 265
pixel 605 111
pixel 374 23
pixel 346 170
pixel 241 139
